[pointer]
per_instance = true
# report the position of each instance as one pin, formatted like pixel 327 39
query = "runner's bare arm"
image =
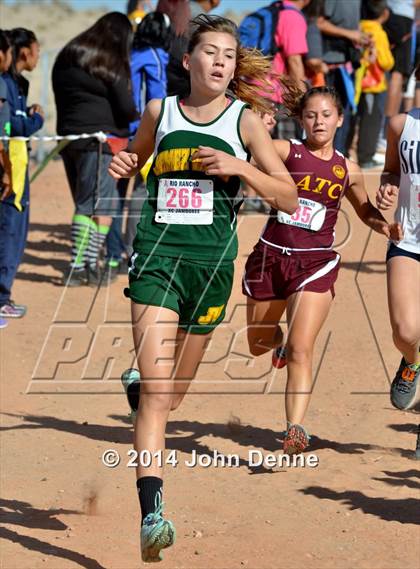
pixel 390 179
pixel 282 148
pixel 367 212
pixel 271 169
pixel 127 163
pixel 271 181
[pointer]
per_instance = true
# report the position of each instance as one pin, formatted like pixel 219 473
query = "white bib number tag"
pixel 185 202
pixel 309 215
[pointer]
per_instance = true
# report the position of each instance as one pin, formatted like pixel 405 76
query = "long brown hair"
pixel 103 50
pixel 251 82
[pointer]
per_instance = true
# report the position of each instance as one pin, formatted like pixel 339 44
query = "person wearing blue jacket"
pixel 148 61
pixel 25 121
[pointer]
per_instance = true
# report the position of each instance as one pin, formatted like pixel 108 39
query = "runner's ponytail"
pixel 295 98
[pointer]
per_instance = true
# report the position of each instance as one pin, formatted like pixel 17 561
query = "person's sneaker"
pixel 405 387
pixel 381 146
pixel 112 270
pixel 296 440
pixel 95 277
pixel 12 310
pixel 131 383
pixel 379 157
pixel 123 267
pixel 3 323
pixel 75 277
pixel 21 307
pixel 279 358
pixel 156 534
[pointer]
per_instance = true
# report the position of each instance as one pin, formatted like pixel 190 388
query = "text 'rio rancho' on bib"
pixel 309 215
pixel 185 202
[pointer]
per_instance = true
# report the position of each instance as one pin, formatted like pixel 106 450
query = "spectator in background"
pixel 371 81
pixel 148 61
pixel 315 67
pixel 399 27
pixel 5 63
pixel 24 121
pixel 136 11
pixel 339 25
pixel 180 13
pixel 5 171
pixel 91 83
pixel 290 38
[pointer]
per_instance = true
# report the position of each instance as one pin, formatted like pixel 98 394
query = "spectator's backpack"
pixel 258 29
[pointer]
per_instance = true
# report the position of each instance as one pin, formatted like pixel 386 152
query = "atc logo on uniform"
pixel 339 171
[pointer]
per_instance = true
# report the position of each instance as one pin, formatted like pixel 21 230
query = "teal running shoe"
pixel 131 383
pixel 156 533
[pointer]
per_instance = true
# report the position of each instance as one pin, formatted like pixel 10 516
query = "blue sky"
pixel 237 5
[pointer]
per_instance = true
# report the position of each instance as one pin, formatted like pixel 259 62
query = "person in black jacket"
pixel 91 83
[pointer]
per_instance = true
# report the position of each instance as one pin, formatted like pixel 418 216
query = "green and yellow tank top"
pixel 187 212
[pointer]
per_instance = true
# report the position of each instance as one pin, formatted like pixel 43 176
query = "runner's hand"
pixel 123 165
pixel 217 163
pixel 386 196
pixel 393 231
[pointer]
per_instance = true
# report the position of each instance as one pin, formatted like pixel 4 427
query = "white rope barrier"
pixel 100 136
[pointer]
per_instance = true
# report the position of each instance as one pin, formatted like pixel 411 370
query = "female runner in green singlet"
pixel 182 268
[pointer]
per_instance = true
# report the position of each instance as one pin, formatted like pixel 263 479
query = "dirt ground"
pixel 62 406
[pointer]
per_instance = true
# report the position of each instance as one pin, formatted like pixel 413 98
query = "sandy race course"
pixel 62 407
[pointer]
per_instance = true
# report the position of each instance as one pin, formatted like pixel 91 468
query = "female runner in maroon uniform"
pixel 293 265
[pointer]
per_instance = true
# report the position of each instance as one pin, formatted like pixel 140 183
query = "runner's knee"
pixel 406 333
pixel 157 402
pixel 299 354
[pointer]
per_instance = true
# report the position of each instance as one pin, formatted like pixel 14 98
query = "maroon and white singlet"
pixel 295 251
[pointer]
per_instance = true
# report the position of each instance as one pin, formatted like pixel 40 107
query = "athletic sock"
pixel 133 395
pixel 81 227
pixel 148 487
pixel 96 240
